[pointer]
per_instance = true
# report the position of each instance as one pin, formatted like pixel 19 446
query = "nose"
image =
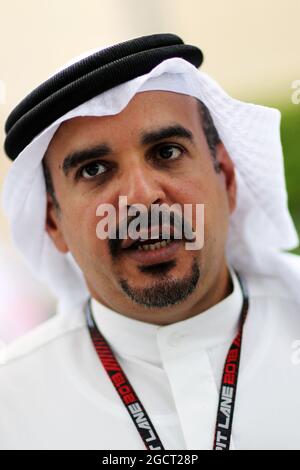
pixel 142 186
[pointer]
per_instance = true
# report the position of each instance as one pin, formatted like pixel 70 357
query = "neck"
pixel 221 288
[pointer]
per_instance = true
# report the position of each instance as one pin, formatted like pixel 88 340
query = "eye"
pixel 91 170
pixel 169 152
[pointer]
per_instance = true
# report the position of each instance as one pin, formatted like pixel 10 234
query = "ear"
pixel 53 226
pixel 227 168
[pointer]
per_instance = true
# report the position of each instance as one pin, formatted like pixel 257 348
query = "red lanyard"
pixel 134 406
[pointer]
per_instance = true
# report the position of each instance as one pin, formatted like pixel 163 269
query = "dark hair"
pixel 49 184
pixel 209 129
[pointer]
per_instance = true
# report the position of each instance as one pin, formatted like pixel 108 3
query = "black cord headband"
pixel 88 78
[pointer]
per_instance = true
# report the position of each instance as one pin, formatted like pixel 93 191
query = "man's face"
pixel 153 152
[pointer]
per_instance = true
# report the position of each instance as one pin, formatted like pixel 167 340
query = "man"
pixel 156 344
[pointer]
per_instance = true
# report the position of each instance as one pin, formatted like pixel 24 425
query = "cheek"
pixel 79 224
pixel 208 192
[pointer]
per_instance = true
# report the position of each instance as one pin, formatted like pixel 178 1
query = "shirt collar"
pixel 128 337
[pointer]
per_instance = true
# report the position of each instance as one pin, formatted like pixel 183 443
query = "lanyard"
pixel 134 406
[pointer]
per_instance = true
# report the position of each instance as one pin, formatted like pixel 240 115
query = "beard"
pixel 166 291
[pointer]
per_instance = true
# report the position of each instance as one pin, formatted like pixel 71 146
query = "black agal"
pixel 88 78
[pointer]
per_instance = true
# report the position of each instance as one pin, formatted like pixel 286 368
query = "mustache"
pixel 177 222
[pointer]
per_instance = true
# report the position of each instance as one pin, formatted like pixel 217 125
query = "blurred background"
pixel 251 48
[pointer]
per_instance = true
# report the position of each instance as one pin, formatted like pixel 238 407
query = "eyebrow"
pixel 166 133
pixel 76 158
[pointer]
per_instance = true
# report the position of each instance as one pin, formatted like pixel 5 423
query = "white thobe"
pixel 55 393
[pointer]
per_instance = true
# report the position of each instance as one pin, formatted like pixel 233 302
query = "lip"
pixel 154 231
pixel 155 256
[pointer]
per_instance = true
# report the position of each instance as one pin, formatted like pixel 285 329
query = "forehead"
pixel 145 111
